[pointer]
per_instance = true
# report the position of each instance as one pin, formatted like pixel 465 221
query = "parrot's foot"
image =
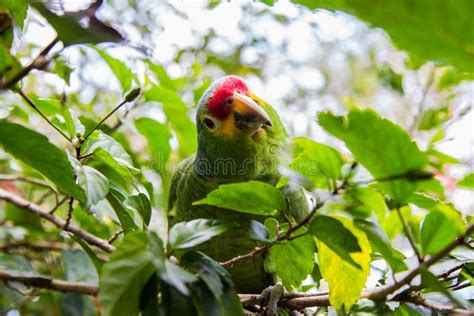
pixel 272 295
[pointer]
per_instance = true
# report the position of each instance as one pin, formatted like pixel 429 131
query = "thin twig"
pixel 379 293
pixel 85 156
pixel 115 236
pixel 285 236
pixel 48 283
pixel 69 213
pixel 293 301
pixel 419 300
pixel 120 122
pixel 44 196
pixel 38 63
pixel 10 177
pixel 37 245
pixel 104 119
pixel 58 222
pixel 410 237
pixel 459 286
pixel 33 105
pixel 58 205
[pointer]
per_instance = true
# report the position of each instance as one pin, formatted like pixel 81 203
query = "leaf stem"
pixel 410 236
pixel 284 236
pixel 103 120
pixel 33 105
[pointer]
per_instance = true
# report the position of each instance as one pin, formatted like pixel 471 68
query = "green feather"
pixel 218 161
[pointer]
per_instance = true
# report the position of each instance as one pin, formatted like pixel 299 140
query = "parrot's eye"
pixel 210 123
pixel 229 101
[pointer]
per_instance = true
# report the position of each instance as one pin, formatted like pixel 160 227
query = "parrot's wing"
pixel 183 170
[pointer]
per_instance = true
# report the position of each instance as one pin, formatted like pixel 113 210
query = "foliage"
pixel 85 176
pixel 448 42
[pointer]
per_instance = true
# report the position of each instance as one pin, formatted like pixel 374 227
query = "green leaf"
pixel 15 262
pixel 390 79
pixel 161 75
pixel 297 254
pixel 73 124
pixel 21 217
pixel 189 234
pixel 467 182
pixel 110 152
pixel 334 235
pixel 217 280
pixel 251 197
pixel 429 280
pixel 9 65
pixel 124 217
pixel 345 281
pixel 49 107
pixel 372 199
pixel 451 77
pixel 433 118
pixel 408 23
pixel 383 147
pixel 438 159
pixel 405 310
pixel 92 255
pixel 6 37
pixel 64 117
pixel 17 8
pixel 70 32
pixel 125 274
pixel 393 226
pixel 124 169
pixel 61 68
pixel 381 244
pixel 124 75
pixel 317 162
pixel 141 204
pixel 158 137
pixel 94 183
pixel 78 267
pixel 183 127
pixel 37 152
pixel 441 226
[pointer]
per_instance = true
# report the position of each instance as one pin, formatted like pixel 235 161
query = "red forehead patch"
pixel 217 104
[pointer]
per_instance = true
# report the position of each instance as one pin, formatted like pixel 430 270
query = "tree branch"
pixel 10 177
pixel 38 245
pixel 38 63
pixel 293 301
pixel 375 294
pixel 285 236
pixel 420 300
pixel 58 222
pixel 48 283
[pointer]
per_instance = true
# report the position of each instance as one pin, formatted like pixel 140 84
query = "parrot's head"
pixel 230 110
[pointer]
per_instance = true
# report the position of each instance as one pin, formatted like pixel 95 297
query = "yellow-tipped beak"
pixel 247 111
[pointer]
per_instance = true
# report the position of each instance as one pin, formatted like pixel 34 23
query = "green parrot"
pixel 240 138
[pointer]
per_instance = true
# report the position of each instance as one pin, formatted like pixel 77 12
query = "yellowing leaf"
pixel 345 281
